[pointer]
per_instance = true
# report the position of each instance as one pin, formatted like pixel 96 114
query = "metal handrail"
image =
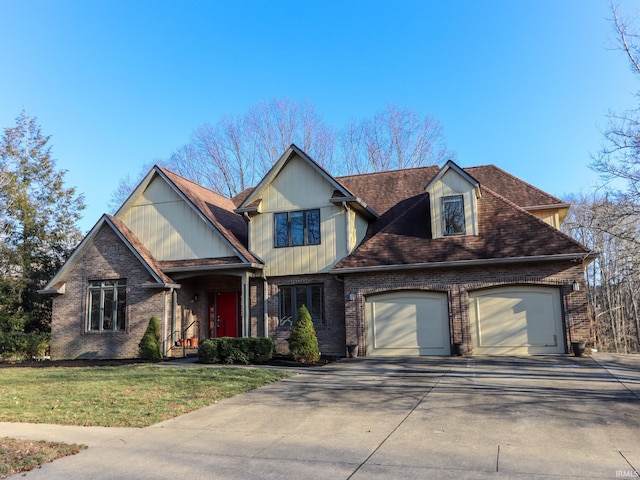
pixel 171 337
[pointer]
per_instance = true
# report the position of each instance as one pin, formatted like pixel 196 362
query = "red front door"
pixel 223 314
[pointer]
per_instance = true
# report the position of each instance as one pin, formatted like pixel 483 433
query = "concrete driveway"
pixel 462 418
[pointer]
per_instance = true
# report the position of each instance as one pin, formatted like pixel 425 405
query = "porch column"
pixel 245 305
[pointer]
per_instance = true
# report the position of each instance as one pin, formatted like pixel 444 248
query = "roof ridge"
pixel 395 170
pixel 537 189
pixel 196 184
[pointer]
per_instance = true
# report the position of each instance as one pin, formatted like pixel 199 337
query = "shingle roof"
pixel 139 247
pixel 505 231
pixel 512 188
pixel 402 234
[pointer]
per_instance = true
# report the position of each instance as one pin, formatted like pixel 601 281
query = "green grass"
pixel 136 395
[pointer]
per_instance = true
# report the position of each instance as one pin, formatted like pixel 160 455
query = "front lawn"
pixel 135 395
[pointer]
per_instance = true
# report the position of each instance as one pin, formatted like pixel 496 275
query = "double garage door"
pixel 504 321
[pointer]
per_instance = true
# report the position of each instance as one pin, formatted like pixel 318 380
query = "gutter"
pixel 161 285
pixel 51 291
pixel 199 268
pixel 554 206
pixel 581 257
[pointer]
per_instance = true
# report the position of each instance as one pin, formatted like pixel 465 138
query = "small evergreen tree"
pixel 149 346
pixel 303 341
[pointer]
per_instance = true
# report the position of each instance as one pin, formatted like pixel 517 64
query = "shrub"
pixel 236 350
pixel 303 341
pixel 149 346
pixel 24 346
pixel 208 351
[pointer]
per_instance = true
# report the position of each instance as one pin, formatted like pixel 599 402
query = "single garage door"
pixel 516 321
pixel 408 323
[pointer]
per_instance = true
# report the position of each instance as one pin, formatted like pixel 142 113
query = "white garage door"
pixel 516 321
pixel 408 323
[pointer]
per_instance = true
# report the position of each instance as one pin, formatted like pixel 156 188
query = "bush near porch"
pixel 236 350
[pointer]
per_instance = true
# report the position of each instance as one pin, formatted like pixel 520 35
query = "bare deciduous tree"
pixel 613 279
pixel 237 151
pixel 394 138
pixel 618 160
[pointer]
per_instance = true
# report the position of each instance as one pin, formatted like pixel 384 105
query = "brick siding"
pixel 459 283
pixel 331 334
pixel 107 258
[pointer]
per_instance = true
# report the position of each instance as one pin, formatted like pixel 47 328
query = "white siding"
pixel 450 184
pixel 169 227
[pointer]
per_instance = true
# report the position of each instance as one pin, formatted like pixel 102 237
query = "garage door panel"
pixel 517 320
pixel 403 323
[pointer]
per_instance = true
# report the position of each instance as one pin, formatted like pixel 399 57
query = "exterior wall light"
pixel 576 286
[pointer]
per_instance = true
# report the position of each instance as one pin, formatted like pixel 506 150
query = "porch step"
pixel 177 352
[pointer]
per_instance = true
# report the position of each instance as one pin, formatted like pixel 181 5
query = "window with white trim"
pixel 453 215
pixel 297 228
pixel 107 305
pixel 292 297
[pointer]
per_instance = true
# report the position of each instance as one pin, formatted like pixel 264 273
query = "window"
pixel 107 305
pixel 293 297
pixel 297 228
pixel 453 215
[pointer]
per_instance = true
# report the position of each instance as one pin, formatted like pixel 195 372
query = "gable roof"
pixel 451 165
pixel 250 200
pixel 56 284
pixel 214 209
pixel 507 233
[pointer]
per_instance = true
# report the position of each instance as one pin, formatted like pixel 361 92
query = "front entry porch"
pixel 207 306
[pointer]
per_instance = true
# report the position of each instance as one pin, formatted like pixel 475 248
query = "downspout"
pixel 246 327
pixel 174 309
pixel 164 322
pixel 347 226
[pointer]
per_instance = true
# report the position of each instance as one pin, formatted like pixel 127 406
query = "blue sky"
pixel 523 84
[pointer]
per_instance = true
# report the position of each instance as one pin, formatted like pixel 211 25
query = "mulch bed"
pixel 277 361
pixel 86 362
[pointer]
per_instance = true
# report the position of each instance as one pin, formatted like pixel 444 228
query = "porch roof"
pixel 202 265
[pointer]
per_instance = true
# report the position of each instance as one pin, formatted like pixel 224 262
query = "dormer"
pixel 454 202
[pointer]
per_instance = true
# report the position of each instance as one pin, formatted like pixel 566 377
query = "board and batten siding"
pixel 550 217
pixel 299 186
pixel 450 184
pixel 169 227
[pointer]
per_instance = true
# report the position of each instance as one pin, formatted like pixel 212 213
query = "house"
pixel 406 262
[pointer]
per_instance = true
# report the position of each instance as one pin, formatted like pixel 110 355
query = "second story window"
pixel 297 228
pixel 453 215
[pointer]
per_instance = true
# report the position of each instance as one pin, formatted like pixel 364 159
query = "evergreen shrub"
pixel 303 341
pixel 149 347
